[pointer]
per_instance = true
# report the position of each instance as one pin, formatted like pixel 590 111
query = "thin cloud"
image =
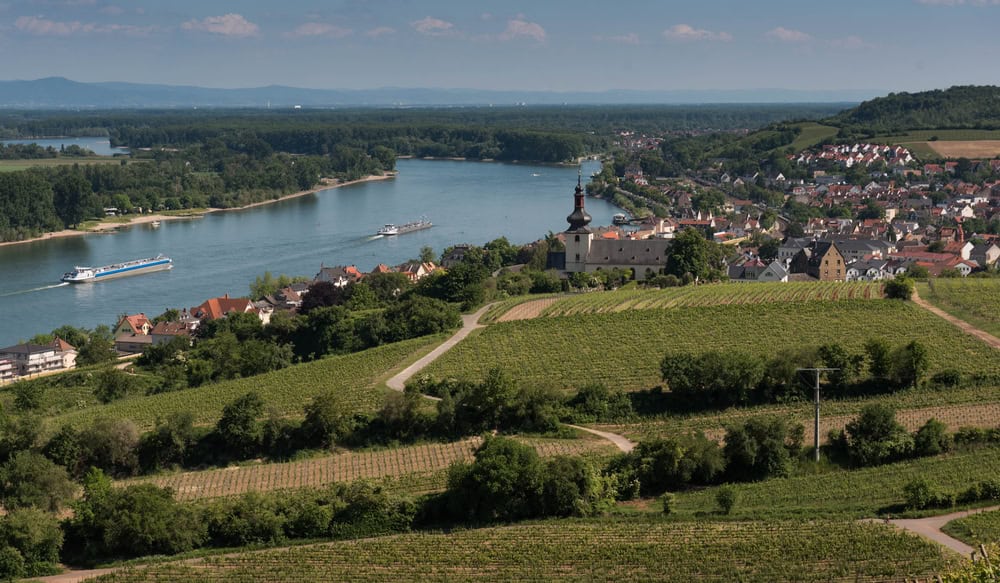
pixel 686 32
pixel 40 26
pixel 630 38
pixel 521 28
pixel 231 25
pixel 787 35
pixel 320 29
pixel 433 27
pixel 851 43
pixel 380 31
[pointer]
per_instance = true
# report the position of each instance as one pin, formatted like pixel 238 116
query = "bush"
pixel 947 378
pixel 671 464
pixel 112 384
pixel 668 501
pixel 900 288
pixel 726 499
pixel 717 378
pixel 932 439
pixel 757 450
pixel 875 437
pixel 921 494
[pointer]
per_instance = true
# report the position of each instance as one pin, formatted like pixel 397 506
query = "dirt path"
pixel 930 528
pixel 965 326
pixel 470 322
pixel 620 442
pixel 528 310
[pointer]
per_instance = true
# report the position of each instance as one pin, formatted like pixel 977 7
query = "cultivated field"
pixel 855 493
pixel 621 549
pixel 975 300
pixel 623 349
pixel 983 528
pixel 967 407
pixel 15 165
pixel 964 149
pixel 410 462
pixel 287 390
pixel 812 133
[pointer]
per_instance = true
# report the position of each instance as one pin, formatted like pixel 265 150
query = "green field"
pixel 624 349
pixel 287 390
pixel 15 165
pixel 622 549
pixel 812 134
pixel 983 528
pixel 855 493
pixel 975 300
pixel 943 135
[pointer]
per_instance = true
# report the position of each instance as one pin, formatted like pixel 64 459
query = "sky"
pixel 542 45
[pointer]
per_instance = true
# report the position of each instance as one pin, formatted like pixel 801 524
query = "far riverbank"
pixel 111 226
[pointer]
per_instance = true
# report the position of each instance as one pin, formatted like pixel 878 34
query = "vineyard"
pixel 623 549
pixel 410 462
pixel 983 528
pixel 977 301
pixel 624 349
pixel 856 493
pixel 971 406
pixel 287 390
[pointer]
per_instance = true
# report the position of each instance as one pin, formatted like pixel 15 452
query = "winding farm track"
pixel 962 324
pixel 930 528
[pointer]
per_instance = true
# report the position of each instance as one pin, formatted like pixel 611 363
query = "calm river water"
pixel 468 202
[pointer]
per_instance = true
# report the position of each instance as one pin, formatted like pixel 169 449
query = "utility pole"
pixel 816 403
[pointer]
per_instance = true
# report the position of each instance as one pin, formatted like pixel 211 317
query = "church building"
pixel 585 253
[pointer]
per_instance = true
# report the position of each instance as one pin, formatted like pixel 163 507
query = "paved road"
pixel 930 527
pixel 470 322
pixel 965 326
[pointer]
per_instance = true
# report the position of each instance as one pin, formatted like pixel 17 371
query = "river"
pixel 468 202
pixel 99 146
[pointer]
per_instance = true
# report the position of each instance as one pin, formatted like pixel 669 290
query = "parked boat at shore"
pixel 391 229
pixel 134 267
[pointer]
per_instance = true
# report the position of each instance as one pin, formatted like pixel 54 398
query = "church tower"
pixel 578 236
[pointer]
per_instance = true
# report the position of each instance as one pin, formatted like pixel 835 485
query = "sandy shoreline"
pixel 110 227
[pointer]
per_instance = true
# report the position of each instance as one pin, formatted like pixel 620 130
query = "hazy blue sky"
pixel 510 44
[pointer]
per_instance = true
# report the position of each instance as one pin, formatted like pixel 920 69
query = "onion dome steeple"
pixel 578 219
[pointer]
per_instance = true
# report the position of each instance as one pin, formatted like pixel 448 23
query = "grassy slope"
pixel 286 390
pixel 812 133
pixel 15 165
pixel 977 529
pixel 626 549
pixel 624 349
pixel 977 301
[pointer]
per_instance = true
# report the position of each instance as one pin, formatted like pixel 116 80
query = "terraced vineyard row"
pixel 976 301
pixel 712 295
pixel 856 493
pixel 973 407
pixel 983 528
pixel 588 550
pixel 286 390
pixel 624 349
pixel 410 462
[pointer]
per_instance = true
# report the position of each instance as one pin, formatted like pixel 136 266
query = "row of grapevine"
pixel 587 550
pixel 977 529
pixel 975 300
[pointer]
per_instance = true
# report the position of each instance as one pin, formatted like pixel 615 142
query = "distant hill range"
pixel 962 107
pixel 61 93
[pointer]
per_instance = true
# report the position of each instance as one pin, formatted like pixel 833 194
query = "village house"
pixel 30 359
pixel 820 260
pixel 132 334
pixel 7 370
pixel 339 276
pixel 215 308
pixel 164 332
pixel 416 270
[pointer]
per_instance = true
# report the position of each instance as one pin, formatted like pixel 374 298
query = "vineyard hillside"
pixel 977 301
pixel 620 549
pixel 423 466
pixel 287 391
pixel 983 528
pixel 624 349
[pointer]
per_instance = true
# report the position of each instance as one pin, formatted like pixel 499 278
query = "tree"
pixel 11 564
pixel 112 445
pixel 714 378
pixel 932 438
pixel 901 288
pixel 879 354
pixel 757 450
pixel 875 437
pixel 98 348
pixel 112 384
pixel 239 427
pixel 692 254
pixel 30 479
pixel 328 420
pixel 28 395
pixel 322 294
pixel 37 537
pixel 726 498
pixel 169 442
pixel 910 363
pixel 504 483
pixel 427 254
pixel 768 250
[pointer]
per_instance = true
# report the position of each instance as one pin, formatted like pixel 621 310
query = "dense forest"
pixel 960 107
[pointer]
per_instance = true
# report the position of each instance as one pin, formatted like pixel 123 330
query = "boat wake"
pixel 28 291
pixel 373 237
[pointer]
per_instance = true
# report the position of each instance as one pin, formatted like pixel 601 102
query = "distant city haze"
pixel 847 50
